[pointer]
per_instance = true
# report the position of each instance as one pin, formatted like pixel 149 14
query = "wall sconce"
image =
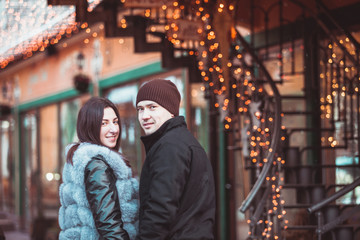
pixel 5 100
pixel 5 111
pixel 81 80
pixel 80 61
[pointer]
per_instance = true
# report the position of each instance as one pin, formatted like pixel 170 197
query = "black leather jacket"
pixel 103 199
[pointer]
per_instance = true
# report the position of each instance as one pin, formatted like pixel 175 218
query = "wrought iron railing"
pixel 276 129
pixel 317 209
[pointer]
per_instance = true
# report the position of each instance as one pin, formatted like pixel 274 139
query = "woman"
pixel 98 196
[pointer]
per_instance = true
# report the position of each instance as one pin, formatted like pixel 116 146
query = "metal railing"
pixel 316 208
pixel 276 132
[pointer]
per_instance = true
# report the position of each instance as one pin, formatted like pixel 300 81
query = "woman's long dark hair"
pixel 88 124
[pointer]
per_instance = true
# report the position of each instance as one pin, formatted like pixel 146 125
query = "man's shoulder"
pixel 179 134
pixel 179 138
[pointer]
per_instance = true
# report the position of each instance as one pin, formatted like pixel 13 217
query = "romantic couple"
pixel 99 197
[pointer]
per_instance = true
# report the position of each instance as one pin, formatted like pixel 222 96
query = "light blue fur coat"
pixel 75 217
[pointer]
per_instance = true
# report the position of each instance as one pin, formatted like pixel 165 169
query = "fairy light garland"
pixel 334 93
pixel 49 25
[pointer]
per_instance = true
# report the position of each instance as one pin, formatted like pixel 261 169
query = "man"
pixel 177 193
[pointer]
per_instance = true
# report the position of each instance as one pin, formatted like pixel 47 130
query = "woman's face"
pixel 109 131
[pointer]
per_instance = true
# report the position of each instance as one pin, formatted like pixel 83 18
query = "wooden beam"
pixel 81 7
pixel 61 2
pixel 81 11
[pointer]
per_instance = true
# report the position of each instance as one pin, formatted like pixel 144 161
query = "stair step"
pixel 295 166
pixel 305 205
pixel 297 205
pixel 309 227
pixel 301 227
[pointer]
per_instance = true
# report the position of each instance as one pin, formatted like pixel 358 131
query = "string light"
pixel 48 23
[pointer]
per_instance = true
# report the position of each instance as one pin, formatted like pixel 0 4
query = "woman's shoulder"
pixel 97 170
pixel 87 152
pixel 97 161
pixel 90 151
pixel 111 158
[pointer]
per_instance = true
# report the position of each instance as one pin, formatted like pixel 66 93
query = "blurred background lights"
pixel 52 176
pixel 49 176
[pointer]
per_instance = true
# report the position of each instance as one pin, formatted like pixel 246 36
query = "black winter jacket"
pixel 177 192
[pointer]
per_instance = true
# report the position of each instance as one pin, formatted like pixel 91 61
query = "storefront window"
pixel 68 117
pixel 347 175
pixel 199 123
pixel 49 153
pixel 6 167
pixel 30 163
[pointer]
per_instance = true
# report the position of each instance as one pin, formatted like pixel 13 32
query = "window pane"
pixel 6 169
pixel 49 159
pixel 69 112
pixel 347 175
pixel 199 124
pixel 30 163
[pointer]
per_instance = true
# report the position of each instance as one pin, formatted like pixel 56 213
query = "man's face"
pixel 152 116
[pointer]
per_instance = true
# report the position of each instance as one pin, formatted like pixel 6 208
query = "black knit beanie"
pixel 161 91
